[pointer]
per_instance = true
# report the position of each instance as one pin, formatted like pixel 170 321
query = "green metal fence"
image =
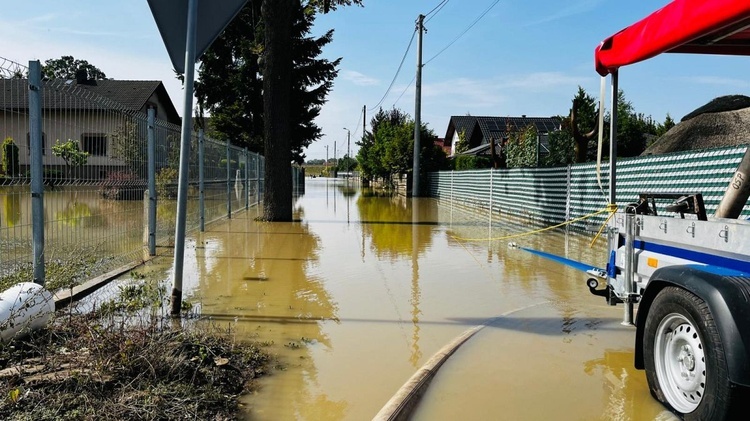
pixel 96 202
pixel 556 195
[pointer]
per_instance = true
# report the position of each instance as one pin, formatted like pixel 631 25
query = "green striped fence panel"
pixel 554 195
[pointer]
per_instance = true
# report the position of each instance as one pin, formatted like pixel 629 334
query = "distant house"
pixel 440 142
pixel 88 111
pixel 479 132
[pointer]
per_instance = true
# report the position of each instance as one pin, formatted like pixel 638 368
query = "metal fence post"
pixel 201 180
pixel 37 173
pixel 492 172
pixel 257 178
pixel 229 184
pixel 247 179
pixel 568 193
pixel 151 183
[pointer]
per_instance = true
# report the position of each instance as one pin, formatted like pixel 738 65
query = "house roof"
pixel 458 124
pixel 480 129
pixel 131 95
pixel 497 127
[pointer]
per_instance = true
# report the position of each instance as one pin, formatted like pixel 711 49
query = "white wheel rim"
pixel 680 363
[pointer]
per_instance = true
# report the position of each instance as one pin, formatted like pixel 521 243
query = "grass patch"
pixel 124 361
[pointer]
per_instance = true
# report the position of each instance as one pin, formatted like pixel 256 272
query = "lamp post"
pixel 348 151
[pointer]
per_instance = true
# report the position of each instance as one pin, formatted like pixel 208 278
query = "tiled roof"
pixel 497 127
pixel 460 123
pixel 131 95
pixel 480 129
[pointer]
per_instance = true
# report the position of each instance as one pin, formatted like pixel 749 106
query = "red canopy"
pixel 682 26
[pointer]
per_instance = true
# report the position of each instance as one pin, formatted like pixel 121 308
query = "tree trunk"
pixel 277 70
pixel 581 141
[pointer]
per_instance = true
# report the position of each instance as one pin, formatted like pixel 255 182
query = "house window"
pixel 28 144
pixel 94 143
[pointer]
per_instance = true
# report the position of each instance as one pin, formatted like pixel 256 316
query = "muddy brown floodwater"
pixel 363 289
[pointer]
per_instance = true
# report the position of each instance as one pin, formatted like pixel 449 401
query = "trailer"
pixel 688 272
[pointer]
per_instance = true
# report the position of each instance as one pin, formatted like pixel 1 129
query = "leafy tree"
pixel 389 148
pixel 665 127
pixel 471 162
pixel 373 147
pixel 521 148
pixel 10 157
pixel 129 146
pixel 71 153
pixel 582 123
pixel 632 128
pixel 67 67
pixel 346 164
pixel 463 143
pixel 561 149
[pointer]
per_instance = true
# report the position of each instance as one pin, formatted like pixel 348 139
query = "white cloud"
pixel 359 79
pixel 492 92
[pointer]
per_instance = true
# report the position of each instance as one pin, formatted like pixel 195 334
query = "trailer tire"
pixel 682 372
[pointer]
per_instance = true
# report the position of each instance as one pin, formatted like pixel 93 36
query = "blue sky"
pixel 524 57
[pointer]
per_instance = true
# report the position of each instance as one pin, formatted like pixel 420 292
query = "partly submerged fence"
pixel 97 156
pixel 556 195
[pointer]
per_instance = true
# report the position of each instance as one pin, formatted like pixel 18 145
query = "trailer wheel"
pixel 682 371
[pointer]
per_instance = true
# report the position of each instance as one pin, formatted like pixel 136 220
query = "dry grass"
pixel 118 364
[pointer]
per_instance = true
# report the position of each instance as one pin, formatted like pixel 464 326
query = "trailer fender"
pixel 727 294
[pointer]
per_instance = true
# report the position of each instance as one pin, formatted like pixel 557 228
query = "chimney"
pixel 523 115
pixel 82 76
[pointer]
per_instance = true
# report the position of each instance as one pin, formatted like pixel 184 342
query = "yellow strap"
pixel 612 209
pixel 609 208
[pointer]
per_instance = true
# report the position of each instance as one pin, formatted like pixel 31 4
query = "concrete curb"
pixel 64 298
pixel 401 406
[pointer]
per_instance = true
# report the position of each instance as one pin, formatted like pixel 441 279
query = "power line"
pixel 397 71
pixel 439 6
pixel 404 91
pixel 487 10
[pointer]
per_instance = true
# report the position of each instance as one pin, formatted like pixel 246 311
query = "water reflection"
pixel 256 275
pixel 624 387
pixel 383 220
pixel 364 287
pixel 11 208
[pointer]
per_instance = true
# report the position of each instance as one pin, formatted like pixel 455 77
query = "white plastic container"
pixel 24 307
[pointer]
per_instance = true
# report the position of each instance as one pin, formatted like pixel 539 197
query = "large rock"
pixel 707 128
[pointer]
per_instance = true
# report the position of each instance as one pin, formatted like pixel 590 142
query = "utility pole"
pixel 348 149
pixel 326 163
pixel 335 160
pixel 417 110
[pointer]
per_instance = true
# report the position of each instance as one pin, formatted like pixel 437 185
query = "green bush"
pixel 10 157
pixel 471 162
pixel 166 182
pixel 232 163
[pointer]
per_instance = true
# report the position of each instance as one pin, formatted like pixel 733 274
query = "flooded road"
pixel 362 290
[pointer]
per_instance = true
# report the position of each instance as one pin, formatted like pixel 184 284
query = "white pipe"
pixel 23 307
